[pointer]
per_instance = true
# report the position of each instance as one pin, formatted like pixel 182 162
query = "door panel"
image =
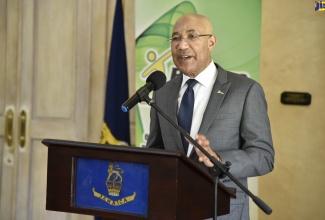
pixel 51 80
pixel 48 75
pixel 55 52
pixel 9 75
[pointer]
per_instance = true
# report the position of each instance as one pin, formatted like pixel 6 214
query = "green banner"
pixel 237 26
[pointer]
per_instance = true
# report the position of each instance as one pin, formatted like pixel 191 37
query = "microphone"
pixel 155 81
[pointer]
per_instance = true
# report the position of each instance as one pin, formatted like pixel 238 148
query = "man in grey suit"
pixel 229 119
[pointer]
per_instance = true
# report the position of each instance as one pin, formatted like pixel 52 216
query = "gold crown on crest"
pixel 114 190
pixel 114 180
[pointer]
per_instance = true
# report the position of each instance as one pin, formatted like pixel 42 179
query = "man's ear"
pixel 212 42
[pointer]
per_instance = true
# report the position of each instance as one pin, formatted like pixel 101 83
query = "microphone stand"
pixel 219 170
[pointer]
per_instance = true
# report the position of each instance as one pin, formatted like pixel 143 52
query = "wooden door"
pixel 52 66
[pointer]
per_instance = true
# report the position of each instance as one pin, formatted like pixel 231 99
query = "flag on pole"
pixel 116 128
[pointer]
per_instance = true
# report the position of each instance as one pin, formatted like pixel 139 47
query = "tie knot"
pixel 191 83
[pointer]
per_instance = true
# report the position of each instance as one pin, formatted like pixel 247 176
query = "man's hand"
pixel 204 142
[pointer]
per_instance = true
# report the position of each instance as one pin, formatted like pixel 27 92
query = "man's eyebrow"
pixel 191 31
pixel 188 32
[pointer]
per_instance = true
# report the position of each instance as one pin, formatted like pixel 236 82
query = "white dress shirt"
pixel 202 92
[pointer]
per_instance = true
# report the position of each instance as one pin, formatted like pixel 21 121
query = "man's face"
pixel 190 50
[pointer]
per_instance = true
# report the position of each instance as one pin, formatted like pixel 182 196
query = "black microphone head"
pixel 157 78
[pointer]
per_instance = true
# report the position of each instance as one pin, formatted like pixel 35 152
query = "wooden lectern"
pixel 175 187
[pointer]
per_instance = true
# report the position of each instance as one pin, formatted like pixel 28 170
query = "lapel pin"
pixel 219 92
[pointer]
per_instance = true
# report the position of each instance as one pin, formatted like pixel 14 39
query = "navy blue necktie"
pixel 185 112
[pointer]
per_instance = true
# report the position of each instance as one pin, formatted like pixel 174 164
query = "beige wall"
pixel 293 59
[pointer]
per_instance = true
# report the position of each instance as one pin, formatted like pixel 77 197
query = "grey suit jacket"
pixel 235 122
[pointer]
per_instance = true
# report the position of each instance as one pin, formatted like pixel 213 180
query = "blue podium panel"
pixel 112 185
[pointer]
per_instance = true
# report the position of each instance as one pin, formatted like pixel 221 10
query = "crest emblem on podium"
pixel 114 184
pixel 114 180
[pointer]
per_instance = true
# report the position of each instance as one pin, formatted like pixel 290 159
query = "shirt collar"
pixel 206 77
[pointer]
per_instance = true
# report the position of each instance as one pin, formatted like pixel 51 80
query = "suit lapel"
pixel 218 93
